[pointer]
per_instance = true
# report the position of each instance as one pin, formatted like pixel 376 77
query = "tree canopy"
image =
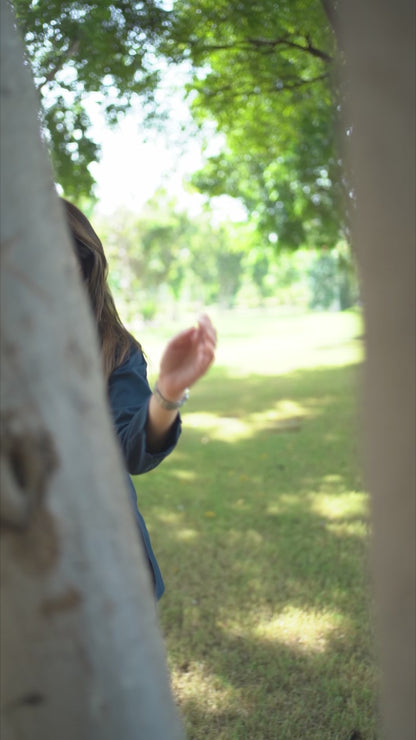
pixel 76 48
pixel 262 71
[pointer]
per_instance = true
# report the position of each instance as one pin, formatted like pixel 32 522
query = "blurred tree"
pixel 104 47
pixel 323 279
pixel 80 646
pixel 165 249
pixel 263 72
pixel 146 252
pixel 216 260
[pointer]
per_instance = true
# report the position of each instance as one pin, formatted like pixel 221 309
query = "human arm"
pixel 186 358
pixel 147 432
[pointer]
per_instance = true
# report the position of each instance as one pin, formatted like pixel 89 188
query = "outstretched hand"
pixel 186 358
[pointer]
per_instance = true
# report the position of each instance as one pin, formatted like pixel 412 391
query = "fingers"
pixel 206 358
pixel 206 340
pixel 207 329
pixel 184 337
pixel 191 348
pixel 204 331
pixel 206 349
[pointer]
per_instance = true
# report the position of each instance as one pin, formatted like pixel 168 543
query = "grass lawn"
pixel 260 524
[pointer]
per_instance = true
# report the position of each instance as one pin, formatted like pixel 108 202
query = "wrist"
pixel 166 401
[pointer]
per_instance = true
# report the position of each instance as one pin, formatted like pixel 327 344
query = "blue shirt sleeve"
pixel 129 395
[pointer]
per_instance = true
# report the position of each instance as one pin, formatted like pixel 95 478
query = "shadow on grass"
pixel 270 690
pixel 262 541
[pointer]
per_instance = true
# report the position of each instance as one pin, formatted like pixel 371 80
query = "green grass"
pixel 260 523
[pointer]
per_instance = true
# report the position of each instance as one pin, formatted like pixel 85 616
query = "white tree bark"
pixel 81 652
pixel 378 38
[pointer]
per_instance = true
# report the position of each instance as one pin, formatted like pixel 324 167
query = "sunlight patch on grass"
pixel 185 475
pixel 283 354
pixel 186 534
pixel 203 689
pixel 250 538
pixel 222 428
pixel 170 518
pixel 270 342
pixel 354 528
pixel 308 631
pixel 339 505
pixel 176 524
pixel 274 509
pixel 284 416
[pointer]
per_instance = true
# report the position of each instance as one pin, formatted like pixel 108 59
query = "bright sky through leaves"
pixel 136 161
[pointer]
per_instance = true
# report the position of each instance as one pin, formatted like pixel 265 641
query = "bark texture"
pixel 378 39
pixel 81 653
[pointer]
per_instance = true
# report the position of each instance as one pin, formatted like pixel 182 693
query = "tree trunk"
pixel 378 39
pixel 81 652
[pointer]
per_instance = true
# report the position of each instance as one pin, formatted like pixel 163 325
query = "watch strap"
pixel 169 405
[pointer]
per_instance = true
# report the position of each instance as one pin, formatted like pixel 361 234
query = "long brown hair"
pixel 116 341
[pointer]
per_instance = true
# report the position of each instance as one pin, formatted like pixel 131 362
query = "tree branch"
pixel 301 82
pixel 278 87
pixel 70 52
pixel 256 43
pixel 310 48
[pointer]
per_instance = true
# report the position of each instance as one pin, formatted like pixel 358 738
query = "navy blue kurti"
pixel 129 395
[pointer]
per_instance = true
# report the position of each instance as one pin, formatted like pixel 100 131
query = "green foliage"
pixel 332 280
pixel 163 249
pixel 263 72
pixel 163 256
pixel 75 48
pixel 323 280
pixel 307 278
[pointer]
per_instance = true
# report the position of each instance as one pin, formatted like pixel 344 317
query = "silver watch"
pixel 170 405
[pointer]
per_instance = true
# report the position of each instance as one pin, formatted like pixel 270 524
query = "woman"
pixel 147 424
